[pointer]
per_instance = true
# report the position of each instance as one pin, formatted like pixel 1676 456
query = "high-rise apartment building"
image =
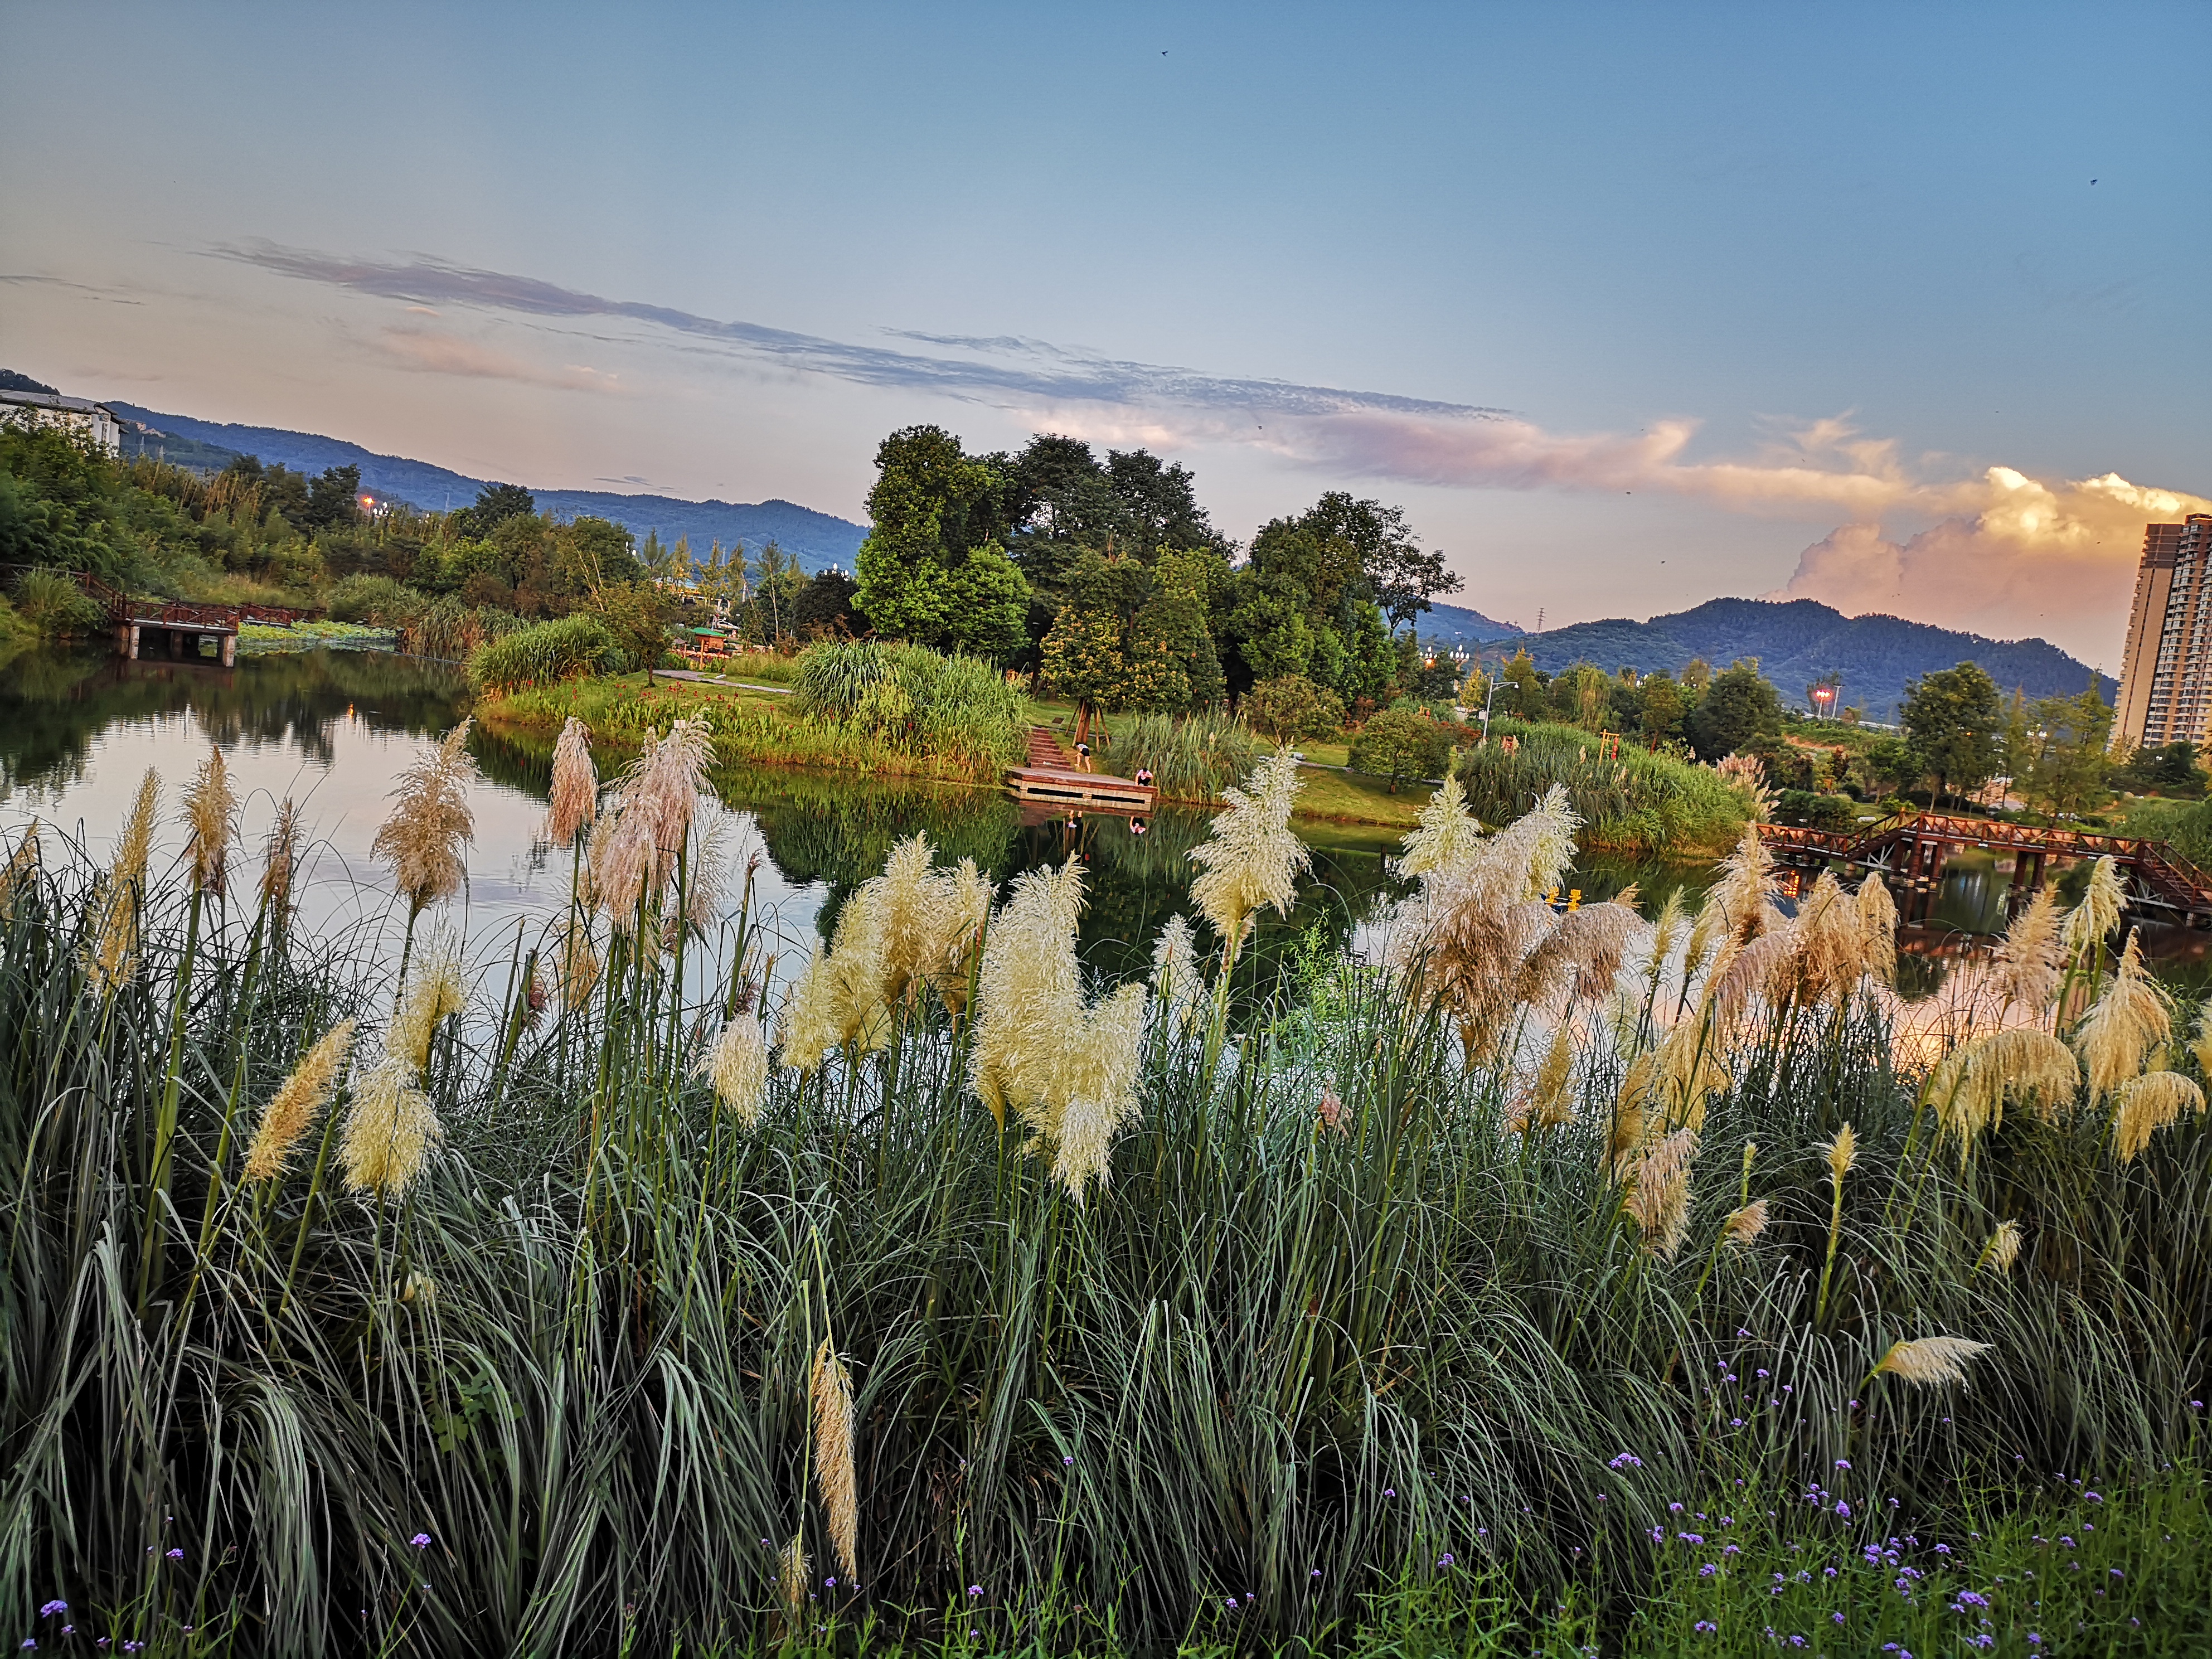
pixel 2166 682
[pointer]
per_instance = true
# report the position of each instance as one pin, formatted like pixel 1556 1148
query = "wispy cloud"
pixel 2003 552
pixel 438 353
pixel 995 370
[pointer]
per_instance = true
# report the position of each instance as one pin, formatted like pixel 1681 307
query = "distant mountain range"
pixel 1798 641
pixel 819 540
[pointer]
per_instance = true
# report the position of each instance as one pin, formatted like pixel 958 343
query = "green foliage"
pixel 2170 768
pixel 1636 801
pixel 1833 813
pixel 1955 720
pixel 55 607
pixel 1292 709
pixel 1400 745
pixel 636 614
pixel 932 505
pixel 1191 757
pixel 541 654
pixel 1737 708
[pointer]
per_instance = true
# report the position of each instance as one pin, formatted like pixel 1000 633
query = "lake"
pixel 334 729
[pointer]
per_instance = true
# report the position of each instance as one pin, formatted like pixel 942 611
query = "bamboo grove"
pixel 630 1292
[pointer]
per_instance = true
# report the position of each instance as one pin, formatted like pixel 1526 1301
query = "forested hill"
pixel 819 540
pixel 1799 640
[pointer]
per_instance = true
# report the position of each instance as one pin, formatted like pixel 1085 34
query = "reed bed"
pixel 555 1307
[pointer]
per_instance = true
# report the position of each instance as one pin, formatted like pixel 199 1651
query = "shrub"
pixel 1191 757
pixel 541 654
pixel 380 601
pixel 1399 745
pixel 1291 706
pixel 1832 813
pixel 54 605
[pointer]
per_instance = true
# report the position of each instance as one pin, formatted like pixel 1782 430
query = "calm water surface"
pixel 334 730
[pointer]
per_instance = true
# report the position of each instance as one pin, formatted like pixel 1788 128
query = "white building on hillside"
pixel 96 420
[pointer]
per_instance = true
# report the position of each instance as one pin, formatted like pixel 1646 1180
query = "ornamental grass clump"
pixel 1326 1280
pixel 20 871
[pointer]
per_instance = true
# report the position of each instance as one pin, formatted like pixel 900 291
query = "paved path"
pixel 717 679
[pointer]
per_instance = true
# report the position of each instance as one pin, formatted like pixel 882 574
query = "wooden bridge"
pixel 183 628
pixel 1909 851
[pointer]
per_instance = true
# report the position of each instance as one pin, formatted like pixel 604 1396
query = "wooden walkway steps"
pixel 1051 778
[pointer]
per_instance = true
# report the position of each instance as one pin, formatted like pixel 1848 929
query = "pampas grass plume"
pixel 2131 1017
pixel 738 1067
pixel 2091 921
pixel 2004 1248
pixel 429 823
pixel 21 866
pixel 1929 1361
pixel 2146 1104
pixel 1745 1224
pixel 1447 838
pixel 1658 1196
pixel 2027 967
pixel 1842 1152
pixel 210 810
pixel 295 1105
pixel 1251 861
pixel 791 1569
pixel 280 860
pixel 575 798
pixel 115 954
pixel 1175 979
pixel 834 1471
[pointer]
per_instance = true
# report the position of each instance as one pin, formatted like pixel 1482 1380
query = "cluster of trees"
pixel 1108 577
pixel 1706 713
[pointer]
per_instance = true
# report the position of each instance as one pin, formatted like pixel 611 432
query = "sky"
pixel 1901 307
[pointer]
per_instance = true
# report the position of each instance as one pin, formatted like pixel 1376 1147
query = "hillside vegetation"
pixel 1799 640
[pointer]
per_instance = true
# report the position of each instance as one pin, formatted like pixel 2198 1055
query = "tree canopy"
pixel 1954 719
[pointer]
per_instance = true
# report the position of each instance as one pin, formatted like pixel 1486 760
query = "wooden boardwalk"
pixel 1051 777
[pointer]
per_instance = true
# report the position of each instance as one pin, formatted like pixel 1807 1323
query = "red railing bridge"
pixel 1909 851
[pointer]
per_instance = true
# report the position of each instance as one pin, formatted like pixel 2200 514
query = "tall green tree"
pixel 1954 719
pixel 1737 708
pixel 936 544
pixel 2068 770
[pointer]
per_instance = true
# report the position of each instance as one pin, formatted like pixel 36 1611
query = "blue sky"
pixel 1629 306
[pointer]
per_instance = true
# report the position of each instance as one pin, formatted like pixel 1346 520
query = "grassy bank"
pixel 753 728
pixel 583 1313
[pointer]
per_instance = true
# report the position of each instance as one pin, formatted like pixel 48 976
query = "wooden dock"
pixel 1051 778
